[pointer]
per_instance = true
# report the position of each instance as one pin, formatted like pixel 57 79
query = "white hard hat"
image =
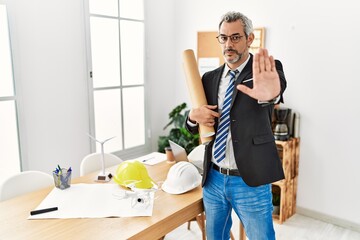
pixel 196 157
pixel 182 177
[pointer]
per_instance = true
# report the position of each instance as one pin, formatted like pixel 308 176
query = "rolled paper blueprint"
pixel 196 91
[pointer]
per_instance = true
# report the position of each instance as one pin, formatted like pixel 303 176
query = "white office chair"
pixel 92 162
pixel 24 182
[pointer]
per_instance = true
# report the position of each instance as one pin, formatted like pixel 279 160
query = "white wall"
pixel 160 57
pixel 317 42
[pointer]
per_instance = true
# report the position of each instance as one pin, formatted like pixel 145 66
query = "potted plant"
pixel 178 132
pixel 276 202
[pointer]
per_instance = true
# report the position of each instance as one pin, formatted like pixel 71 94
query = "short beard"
pixel 236 59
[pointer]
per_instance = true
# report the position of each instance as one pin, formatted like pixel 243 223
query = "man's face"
pixel 235 45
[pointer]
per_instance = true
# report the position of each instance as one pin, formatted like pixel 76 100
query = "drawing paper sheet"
pixel 93 201
pixel 152 158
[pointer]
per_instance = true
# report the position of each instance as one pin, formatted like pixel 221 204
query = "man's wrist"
pixel 272 101
pixel 191 123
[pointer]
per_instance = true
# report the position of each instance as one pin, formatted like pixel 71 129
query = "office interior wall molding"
pixel 327 218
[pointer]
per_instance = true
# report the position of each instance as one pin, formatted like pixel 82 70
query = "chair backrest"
pixel 24 182
pixel 92 162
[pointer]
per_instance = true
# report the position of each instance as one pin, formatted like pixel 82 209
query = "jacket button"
pixel 233 120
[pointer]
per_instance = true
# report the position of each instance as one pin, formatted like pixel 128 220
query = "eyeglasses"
pixel 235 38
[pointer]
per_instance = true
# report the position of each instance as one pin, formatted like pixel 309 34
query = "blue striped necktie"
pixel 224 122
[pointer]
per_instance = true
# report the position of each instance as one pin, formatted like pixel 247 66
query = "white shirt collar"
pixel 239 68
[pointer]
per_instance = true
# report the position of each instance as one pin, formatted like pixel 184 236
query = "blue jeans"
pixel 253 206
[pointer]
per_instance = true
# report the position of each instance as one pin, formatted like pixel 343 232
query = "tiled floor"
pixel 298 227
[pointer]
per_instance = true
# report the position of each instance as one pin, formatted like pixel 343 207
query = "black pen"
pixel 45 210
pixel 147 159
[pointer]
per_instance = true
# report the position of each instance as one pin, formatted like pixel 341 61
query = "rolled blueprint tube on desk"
pixel 196 91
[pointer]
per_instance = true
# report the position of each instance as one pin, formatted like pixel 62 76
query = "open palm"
pixel 266 82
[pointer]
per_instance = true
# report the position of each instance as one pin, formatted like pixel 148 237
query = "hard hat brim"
pixel 165 186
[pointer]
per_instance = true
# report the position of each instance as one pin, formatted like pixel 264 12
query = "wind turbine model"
pixel 102 176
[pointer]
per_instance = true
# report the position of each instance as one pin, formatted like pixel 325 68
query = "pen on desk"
pixel 147 159
pixel 45 210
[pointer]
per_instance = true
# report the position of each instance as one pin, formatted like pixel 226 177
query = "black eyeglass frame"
pixel 235 38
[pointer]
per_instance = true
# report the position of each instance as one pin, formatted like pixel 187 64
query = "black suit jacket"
pixel 253 141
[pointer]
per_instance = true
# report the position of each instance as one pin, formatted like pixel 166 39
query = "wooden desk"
pixel 169 212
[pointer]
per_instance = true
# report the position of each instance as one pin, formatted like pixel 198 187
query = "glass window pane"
pixel 6 75
pixel 134 117
pixel 132 52
pixel 9 148
pixel 104 7
pixel 108 119
pixel 132 9
pixel 105 51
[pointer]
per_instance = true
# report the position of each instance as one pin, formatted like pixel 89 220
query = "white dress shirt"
pixel 229 161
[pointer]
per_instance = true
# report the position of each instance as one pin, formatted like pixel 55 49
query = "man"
pixel 242 160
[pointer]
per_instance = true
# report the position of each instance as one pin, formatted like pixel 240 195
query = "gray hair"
pixel 233 17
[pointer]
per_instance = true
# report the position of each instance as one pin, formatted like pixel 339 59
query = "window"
pixel 9 140
pixel 116 67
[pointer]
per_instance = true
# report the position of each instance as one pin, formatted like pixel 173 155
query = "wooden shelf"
pixel 289 155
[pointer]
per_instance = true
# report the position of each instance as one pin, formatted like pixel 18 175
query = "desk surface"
pixel 169 212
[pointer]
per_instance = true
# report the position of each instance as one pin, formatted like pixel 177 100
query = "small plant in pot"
pixel 276 203
pixel 178 132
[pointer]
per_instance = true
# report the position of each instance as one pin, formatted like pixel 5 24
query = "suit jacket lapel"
pixel 217 77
